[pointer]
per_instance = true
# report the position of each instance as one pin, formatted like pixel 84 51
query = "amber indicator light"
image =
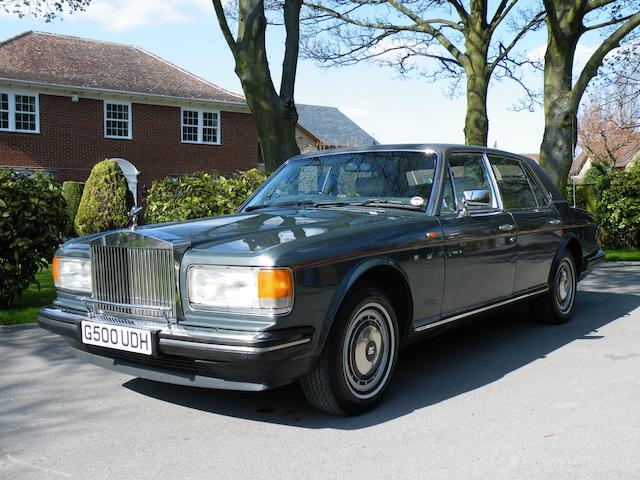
pixel 55 271
pixel 276 283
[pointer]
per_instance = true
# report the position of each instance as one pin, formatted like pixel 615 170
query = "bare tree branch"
pixel 224 25
pixel 532 24
pixel 595 61
pixel 48 10
pixel 613 21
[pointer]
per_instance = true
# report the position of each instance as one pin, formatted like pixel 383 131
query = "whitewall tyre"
pixel 359 357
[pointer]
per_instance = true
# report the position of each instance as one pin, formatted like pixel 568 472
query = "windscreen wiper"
pixel 376 202
pixel 299 203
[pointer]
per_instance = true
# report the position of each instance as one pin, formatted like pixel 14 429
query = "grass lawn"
pixel 623 255
pixel 26 308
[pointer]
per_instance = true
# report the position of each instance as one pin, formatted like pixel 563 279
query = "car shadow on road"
pixel 432 371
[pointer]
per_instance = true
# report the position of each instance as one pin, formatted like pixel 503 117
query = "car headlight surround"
pixel 261 290
pixel 72 273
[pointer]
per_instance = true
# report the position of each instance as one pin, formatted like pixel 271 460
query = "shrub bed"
pixel 33 222
pixel 618 208
pixel 72 193
pixel 200 195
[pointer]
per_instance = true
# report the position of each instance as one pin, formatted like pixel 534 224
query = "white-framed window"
pixel 19 112
pixel 117 119
pixel 200 126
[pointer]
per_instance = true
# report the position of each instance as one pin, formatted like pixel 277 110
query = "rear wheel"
pixel 556 306
pixel 359 357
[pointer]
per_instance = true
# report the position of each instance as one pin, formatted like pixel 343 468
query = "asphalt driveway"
pixel 501 398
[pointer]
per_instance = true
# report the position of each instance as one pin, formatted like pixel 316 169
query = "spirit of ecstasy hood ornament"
pixel 133 213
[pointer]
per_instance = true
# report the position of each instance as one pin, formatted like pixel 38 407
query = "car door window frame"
pixel 497 205
pixel 527 176
pixel 534 178
pixel 531 178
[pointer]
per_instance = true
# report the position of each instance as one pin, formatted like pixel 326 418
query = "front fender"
pixel 347 282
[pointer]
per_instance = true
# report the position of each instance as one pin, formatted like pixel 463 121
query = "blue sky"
pixel 394 110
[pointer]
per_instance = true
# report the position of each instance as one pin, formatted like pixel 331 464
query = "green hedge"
pixel 200 195
pixel 33 222
pixel 106 200
pixel 618 208
pixel 72 193
pixel 587 188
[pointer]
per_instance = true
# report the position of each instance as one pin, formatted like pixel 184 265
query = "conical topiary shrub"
pixel 106 200
pixel 72 193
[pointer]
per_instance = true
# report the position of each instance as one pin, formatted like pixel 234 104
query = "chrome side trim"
pixel 479 310
pixel 231 348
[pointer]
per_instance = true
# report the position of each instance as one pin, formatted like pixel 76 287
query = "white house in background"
pixel 625 158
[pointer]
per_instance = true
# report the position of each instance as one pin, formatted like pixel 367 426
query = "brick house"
pixel 67 103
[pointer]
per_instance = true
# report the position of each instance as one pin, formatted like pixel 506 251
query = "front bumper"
pixel 202 357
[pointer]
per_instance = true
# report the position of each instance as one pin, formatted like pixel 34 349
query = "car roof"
pixel 444 149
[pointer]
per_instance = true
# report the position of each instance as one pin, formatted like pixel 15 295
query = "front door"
pixel 480 253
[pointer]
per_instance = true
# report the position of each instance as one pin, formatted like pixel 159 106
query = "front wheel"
pixel 556 306
pixel 359 357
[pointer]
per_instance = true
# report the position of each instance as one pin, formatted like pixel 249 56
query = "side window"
pixel 541 197
pixel 513 183
pixel 448 197
pixel 468 173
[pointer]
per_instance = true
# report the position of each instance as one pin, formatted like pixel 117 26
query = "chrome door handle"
pixel 506 227
pixel 555 221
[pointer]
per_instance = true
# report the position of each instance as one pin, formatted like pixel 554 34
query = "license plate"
pixel 136 340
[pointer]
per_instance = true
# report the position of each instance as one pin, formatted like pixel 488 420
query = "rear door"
pixel 480 254
pixel 537 221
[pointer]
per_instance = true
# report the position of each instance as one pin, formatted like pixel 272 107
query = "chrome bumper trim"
pixel 158 375
pixel 231 348
pixel 196 340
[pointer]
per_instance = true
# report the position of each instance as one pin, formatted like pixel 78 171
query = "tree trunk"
pixel 560 110
pixel 476 122
pixel 275 123
pixel 274 115
pixel 478 73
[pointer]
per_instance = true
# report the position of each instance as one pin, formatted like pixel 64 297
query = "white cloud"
pixel 392 50
pixel 120 15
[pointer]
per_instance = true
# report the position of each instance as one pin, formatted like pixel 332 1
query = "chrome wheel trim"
pixel 368 350
pixel 565 286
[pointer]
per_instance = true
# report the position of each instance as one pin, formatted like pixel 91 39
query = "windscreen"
pixel 401 177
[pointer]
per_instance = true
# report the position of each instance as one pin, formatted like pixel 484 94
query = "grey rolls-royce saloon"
pixel 340 258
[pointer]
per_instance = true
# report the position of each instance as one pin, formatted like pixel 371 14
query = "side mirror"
pixel 475 198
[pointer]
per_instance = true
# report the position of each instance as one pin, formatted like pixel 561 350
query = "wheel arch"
pixel 571 244
pixel 390 277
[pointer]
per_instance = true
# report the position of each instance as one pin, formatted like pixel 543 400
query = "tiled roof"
pixel 578 163
pixel 61 60
pixel 626 154
pixel 623 157
pixel 332 127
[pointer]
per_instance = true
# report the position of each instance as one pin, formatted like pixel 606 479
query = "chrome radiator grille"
pixel 135 277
